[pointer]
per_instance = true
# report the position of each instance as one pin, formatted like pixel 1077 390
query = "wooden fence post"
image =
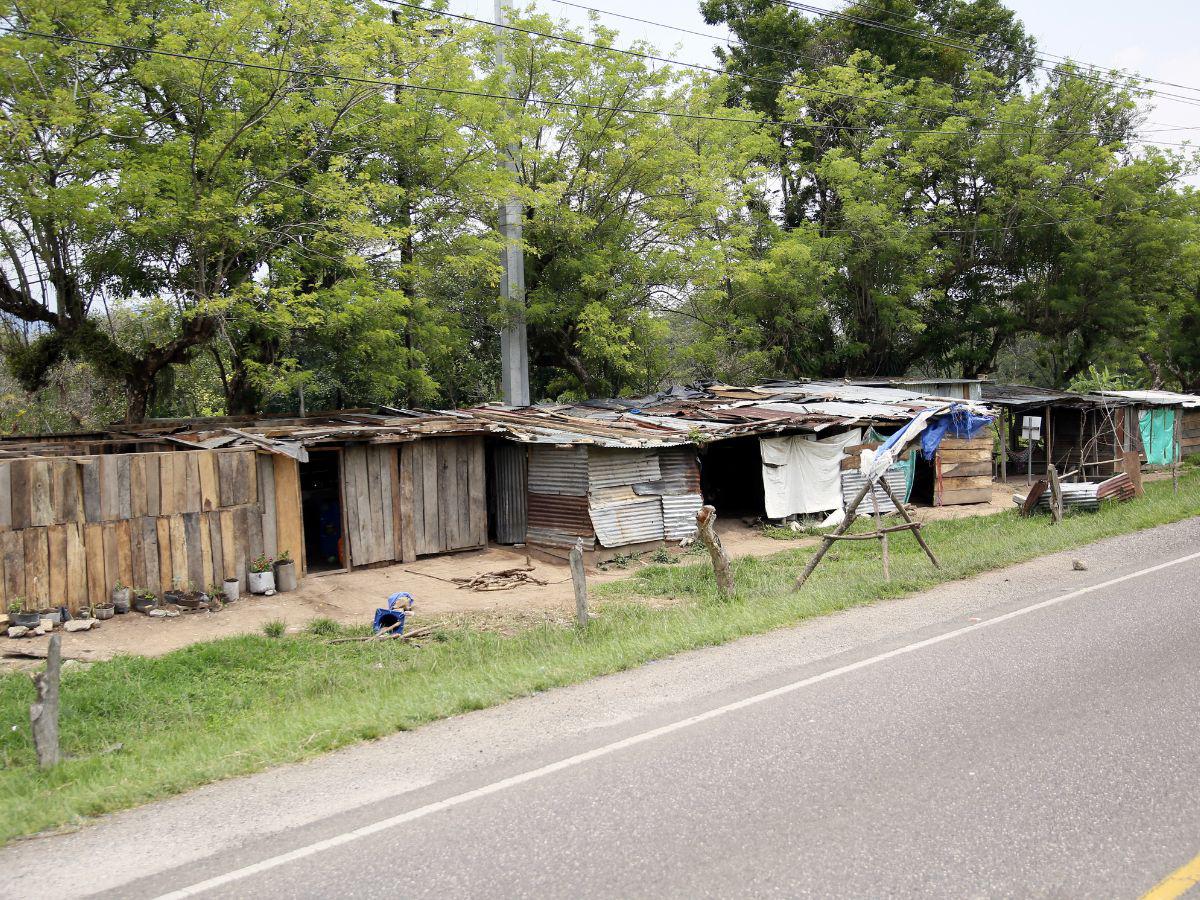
pixel 706 521
pixel 43 715
pixel 1056 496
pixel 579 582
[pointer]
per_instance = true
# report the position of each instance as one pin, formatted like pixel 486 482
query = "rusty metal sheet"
pixel 559 511
pixel 680 470
pixel 551 537
pixel 852 482
pixel 510 487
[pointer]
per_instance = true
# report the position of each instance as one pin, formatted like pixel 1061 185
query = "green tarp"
pixel 1157 425
pixel 907 463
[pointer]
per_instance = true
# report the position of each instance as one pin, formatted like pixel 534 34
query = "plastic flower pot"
pixel 28 619
pixel 261 582
pixel 232 589
pixel 104 612
pixel 146 604
pixel 120 607
pixel 122 597
pixel 285 575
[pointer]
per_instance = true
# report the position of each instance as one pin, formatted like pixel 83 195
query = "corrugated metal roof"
pixel 627 521
pixel 1021 396
pixel 1156 398
pixel 558 470
pixel 852 482
pixel 679 515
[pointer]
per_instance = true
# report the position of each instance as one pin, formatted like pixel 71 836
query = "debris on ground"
pixel 502 580
pixel 1078 565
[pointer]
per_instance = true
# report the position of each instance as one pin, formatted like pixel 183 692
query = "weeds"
pixel 274 629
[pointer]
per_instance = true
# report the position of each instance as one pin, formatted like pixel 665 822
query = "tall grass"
pixel 241 704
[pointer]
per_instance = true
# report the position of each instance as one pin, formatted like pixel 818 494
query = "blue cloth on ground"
pixel 391 617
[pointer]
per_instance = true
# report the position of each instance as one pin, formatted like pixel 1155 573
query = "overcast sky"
pixel 1157 38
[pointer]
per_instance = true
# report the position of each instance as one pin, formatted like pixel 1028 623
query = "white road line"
pixel 581 758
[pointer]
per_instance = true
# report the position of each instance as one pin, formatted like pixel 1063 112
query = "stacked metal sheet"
pixel 852 482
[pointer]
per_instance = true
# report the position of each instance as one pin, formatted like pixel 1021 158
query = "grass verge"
pixel 242 704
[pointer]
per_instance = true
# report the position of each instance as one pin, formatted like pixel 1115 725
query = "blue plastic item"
pixel 392 619
pixel 959 422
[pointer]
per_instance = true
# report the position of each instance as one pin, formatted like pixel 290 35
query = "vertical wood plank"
pixel 210 495
pixel 478 494
pixel 19 491
pixel 179 556
pixel 408 525
pixel 110 507
pixel 137 486
pixel 77 581
pixel 56 564
pixel 166 484
pixel 125 552
pixel 41 511
pixel 448 493
pixel 252 526
pixel 37 564
pixel 228 551
pixel 241 557
pixel 89 477
pixel 289 522
pixel 429 507
pixel 387 477
pixel 193 543
pixel 93 549
pixel 216 564
pixel 153 486
pixel 195 501
pixel 137 547
pixel 379 538
pixel 462 479
pixel 5 498
pixel 227 478
pixel 124 501
pixel 183 482
pixel 265 471
pixel 152 580
pixel 112 565
pixel 65 501
pixel 12 548
pixel 355 549
pixel 162 534
pixel 247 475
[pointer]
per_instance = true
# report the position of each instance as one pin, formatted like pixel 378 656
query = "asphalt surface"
pixel 988 738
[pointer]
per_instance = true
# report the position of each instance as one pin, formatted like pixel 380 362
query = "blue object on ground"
pixel 392 619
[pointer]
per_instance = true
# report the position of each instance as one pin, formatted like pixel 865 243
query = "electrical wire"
pixel 718 71
pixel 595 107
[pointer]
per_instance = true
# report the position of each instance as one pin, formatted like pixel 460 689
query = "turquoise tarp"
pixel 1157 425
pixel 908 463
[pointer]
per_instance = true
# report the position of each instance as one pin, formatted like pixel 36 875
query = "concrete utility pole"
pixel 514 346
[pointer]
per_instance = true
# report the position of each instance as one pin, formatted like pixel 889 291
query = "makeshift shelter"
pixel 179 503
pixel 1084 434
pixel 1168 424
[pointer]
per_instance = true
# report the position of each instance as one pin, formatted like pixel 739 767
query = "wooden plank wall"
pixel 71 527
pixel 964 470
pixel 448 507
pixel 1190 432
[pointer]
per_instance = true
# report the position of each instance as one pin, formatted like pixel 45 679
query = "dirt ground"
pixel 352 598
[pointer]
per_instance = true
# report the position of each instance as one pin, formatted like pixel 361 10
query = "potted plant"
pixel 145 602
pixel 261 578
pixel 231 588
pixel 285 572
pixel 105 610
pixel 19 614
pixel 121 596
pixel 192 598
pixel 176 593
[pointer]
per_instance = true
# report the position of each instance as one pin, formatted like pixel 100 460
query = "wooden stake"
pixel 43 715
pixel 883 540
pixel 579 582
pixel 1056 496
pixel 706 529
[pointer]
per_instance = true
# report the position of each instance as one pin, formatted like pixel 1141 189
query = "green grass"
pixel 242 704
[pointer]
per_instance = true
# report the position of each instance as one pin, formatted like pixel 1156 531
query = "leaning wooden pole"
pixel 706 530
pixel 830 539
pixel 909 519
pixel 43 714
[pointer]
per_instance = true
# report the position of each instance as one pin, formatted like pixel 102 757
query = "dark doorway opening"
pixel 924 481
pixel 731 478
pixel 321 504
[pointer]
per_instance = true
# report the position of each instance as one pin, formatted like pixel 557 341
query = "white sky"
pixel 1157 38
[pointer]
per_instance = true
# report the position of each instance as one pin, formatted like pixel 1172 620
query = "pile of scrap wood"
pixel 504 580
pixel 1080 495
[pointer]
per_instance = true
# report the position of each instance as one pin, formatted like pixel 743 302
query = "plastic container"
pixel 260 582
pixel 392 619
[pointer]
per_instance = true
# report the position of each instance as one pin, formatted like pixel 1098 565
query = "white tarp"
pixel 803 475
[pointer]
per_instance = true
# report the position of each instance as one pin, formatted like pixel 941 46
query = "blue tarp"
pixel 959 422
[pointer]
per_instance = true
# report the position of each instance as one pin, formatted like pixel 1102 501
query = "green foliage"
pixel 275 628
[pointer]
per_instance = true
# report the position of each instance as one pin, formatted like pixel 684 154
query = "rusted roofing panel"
pixel 558 470
pixel 556 511
pixel 627 521
pixel 679 515
pixel 612 468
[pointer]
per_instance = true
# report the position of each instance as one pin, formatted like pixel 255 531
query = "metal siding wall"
pixel 621 468
pixel 554 470
pixel 510 477
pixel 627 521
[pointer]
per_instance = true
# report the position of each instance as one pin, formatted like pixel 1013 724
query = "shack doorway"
pixel 731 478
pixel 322 506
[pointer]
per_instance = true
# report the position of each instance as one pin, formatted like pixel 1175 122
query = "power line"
pixel 570 104
pixel 940 42
pixel 1043 54
pixel 798 56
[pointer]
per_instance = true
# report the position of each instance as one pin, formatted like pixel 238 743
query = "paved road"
pixel 1028 733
